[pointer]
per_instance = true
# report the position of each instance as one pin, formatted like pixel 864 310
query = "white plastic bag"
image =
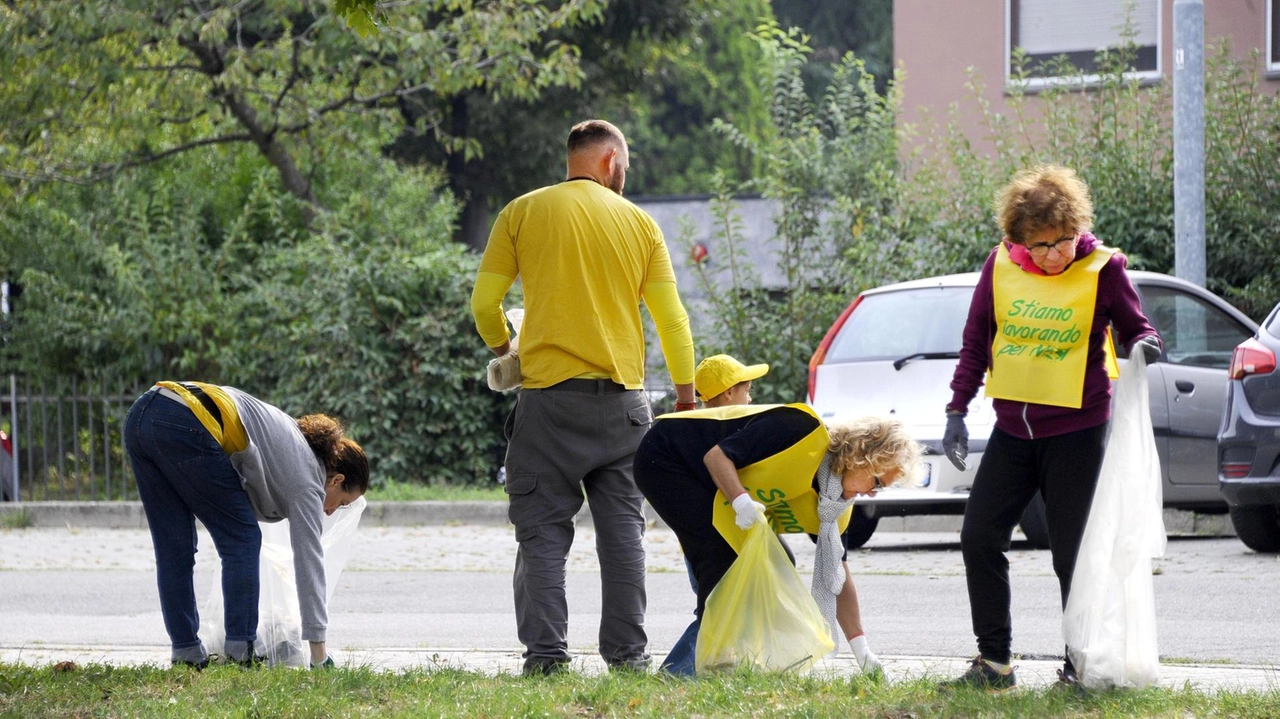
pixel 1110 620
pixel 503 372
pixel 279 617
pixel 515 316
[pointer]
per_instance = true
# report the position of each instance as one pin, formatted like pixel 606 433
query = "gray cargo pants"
pixel 578 435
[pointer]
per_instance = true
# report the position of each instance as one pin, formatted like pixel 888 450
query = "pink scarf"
pixel 1085 244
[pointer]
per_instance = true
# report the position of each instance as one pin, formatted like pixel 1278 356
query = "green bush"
pixel 859 207
pixel 831 166
pixel 375 313
pixel 1118 135
pixel 207 270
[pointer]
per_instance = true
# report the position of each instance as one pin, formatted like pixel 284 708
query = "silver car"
pixel 894 349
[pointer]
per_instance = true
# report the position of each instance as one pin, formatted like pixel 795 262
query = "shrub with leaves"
pixel 209 271
pixel 857 210
pixel 1118 135
pixel 832 168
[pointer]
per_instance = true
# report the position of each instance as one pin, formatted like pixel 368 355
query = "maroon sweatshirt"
pixel 1117 304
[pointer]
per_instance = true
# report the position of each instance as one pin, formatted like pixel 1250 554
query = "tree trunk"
pixel 473 225
pixel 211 64
pixel 294 181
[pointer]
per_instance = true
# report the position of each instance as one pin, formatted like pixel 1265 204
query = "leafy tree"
pixel 1242 183
pixel 831 166
pixel 854 213
pixel 836 27
pixel 713 73
pixel 362 16
pixel 207 270
pixel 660 69
pixel 1118 135
pixel 93 87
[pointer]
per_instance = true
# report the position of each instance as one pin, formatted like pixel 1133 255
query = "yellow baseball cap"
pixel 718 373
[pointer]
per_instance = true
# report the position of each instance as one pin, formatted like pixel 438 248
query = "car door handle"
pixel 1184 386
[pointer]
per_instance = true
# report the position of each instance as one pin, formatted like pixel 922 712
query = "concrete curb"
pixel 129 515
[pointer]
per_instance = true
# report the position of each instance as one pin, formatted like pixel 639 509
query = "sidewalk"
pixel 436 596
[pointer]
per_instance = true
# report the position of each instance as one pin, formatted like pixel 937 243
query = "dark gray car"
pixel 1249 439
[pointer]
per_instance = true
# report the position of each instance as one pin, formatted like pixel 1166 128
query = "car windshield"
pixel 893 325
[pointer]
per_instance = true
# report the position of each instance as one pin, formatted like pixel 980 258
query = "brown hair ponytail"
pixel 338 454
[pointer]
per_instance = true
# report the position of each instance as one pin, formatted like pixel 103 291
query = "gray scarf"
pixel 828 574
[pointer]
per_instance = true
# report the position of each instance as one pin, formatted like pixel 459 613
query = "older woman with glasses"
pixel 1038 334
pixel 201 451
pixel 712 473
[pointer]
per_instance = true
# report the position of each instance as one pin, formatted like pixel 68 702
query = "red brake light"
pixel 1236 470
pixel 821 353
pixel 1251 357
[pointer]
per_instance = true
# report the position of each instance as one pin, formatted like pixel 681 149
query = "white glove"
pixel 748 510
pixel 868 662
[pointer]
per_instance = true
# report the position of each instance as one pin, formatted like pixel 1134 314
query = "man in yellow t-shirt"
pixel 586 259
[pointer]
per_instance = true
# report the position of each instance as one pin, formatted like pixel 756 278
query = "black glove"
pixel 955 440
pixel 1149 346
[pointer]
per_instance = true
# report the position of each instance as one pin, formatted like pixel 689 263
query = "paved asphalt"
pixel 430 595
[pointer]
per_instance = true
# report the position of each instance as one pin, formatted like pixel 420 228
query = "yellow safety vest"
pixel 783 482
pixel 1042 331
pixel 230 435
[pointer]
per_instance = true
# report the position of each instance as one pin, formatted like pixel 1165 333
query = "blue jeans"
pixel 681 660
pixel 184 475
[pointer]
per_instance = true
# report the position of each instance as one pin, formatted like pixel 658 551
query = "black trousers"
pixel 686 506
pixel 1065 470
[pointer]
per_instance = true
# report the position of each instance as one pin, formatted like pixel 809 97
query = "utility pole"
pixel 1188 140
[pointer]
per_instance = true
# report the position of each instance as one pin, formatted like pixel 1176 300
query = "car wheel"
pixel 1258 526
pixel 1034 524
pixel 861 527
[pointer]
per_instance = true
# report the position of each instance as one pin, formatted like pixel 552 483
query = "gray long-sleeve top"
pixel 285 480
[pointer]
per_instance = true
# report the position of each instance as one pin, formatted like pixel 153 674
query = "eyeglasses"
pixel 1060 245
pixel 878 485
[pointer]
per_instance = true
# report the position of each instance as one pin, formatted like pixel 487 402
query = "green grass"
pixel 227 691
pixel 414 492
pixel 17 519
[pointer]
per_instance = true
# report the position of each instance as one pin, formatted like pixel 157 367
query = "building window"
pixel 1047 29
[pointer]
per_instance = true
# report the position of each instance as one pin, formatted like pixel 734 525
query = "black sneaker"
pixel 635 665
pixel 1069 680
pixel 254 661
pixel 545 666
pixel 982 676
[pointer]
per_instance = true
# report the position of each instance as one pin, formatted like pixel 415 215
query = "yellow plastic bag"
pixel 761 615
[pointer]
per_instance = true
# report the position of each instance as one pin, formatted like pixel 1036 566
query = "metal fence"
pixel 66 437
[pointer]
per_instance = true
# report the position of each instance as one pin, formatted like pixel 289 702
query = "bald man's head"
pixel 597 149
pixel 591 134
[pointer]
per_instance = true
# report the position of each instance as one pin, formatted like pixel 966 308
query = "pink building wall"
pixel 937 40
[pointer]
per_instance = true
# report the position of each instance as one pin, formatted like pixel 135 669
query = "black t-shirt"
pixel 677 446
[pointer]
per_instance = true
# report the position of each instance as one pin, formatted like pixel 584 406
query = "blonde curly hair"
pixel 879 444
pixel 1044 196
